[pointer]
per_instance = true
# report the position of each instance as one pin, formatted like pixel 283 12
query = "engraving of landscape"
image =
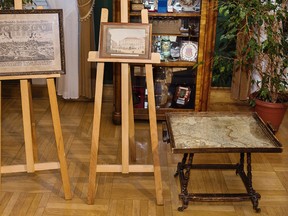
pixel 126 41
pixel 25 43
pixel 218 132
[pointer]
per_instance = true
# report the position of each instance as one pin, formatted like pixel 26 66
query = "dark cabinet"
pixel 184 37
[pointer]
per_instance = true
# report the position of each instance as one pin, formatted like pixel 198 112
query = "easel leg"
pixel 154 133
pixel 95 133
pixel 0 129
pixel 27 126
pixel 132 146
pixel 125 117
pixel 34 144
pixel 59 138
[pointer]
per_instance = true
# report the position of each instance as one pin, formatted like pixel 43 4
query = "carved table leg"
pixel 254 195
pixel 183 171
pixel 181 164
pixel 240 165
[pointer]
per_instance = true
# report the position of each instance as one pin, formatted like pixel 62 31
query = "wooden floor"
pixel 41 193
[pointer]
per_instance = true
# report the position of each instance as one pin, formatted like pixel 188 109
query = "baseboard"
pixel 223 95
pixel 220 100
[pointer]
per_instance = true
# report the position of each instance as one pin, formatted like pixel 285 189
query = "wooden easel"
pixel 127 119
pixel 29 128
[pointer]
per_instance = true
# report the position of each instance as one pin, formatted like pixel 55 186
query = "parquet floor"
pixel 41 193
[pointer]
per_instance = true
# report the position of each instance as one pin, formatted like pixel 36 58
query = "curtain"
pixel 68 84
pixel 87 44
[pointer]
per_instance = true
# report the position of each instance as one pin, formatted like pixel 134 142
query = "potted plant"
pixel 258 27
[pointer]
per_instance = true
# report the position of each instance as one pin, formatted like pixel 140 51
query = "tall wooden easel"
pixel 29 127
pixel 127 119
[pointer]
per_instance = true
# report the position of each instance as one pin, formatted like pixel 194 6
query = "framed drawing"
pixel 125 40
pixel 31 42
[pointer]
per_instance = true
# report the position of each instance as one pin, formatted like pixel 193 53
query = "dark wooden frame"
pixel 24 19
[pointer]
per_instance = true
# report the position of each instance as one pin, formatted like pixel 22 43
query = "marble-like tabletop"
pixel 220 132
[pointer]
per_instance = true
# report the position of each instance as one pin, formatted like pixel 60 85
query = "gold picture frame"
pixel 125 40
pixel 31 42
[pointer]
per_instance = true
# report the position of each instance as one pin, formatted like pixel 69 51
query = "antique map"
pixel 217 131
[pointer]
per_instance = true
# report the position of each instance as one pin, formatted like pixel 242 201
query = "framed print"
pixel 31 42
pixel 125 40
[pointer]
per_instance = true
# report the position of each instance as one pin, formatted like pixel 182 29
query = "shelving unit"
pixel 195 75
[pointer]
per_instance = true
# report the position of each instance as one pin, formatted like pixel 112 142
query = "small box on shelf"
pixel 162 6
pixel 137 6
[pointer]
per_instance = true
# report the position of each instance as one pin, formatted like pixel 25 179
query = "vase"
pixel 271 113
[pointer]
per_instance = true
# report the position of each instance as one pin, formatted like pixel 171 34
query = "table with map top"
pixel 219 132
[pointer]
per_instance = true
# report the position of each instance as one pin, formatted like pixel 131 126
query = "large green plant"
pixel 259 28
pixel 7 4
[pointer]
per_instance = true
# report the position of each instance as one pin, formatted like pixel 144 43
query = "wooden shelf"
pixel 175 64
pixel 170 64
pixel 155 14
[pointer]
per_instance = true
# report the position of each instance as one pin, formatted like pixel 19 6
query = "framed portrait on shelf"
pixel 125 40
pixel 31 42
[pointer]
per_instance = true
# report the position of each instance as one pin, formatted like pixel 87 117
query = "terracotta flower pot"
pixel 272 113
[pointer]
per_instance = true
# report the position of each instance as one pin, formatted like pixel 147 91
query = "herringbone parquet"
pixel 41 193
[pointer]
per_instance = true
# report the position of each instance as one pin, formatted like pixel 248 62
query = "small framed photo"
pixel 31 42
pixel 125 40
pixel 182 95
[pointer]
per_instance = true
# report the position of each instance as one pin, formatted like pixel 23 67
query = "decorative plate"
pixel 189 51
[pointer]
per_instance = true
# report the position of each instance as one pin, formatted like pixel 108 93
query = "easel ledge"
pixel 94 57
pixel 21 77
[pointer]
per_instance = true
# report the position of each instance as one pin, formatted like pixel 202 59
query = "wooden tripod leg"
pixel 95 133
pixel 0 129
pixel 27 126
pixel 154 133
pixel 34 143
pixel 96 123
pixel 125 117
pixel 59 138
pixel 132 146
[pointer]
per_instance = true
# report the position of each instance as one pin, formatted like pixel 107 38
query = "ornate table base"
pixel 183 171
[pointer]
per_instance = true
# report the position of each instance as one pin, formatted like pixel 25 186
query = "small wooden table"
pixel 210 132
